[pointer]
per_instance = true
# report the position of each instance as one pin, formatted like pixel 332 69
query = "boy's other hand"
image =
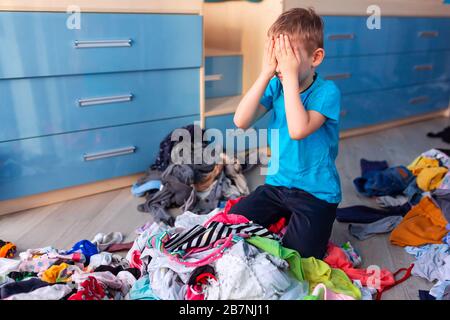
pixel 269 60
pixel 288 58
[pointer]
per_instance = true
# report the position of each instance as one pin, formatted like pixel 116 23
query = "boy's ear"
pixel 318 56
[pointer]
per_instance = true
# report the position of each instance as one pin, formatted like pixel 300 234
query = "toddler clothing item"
pixel 421 163
pixel 310 219
pixel 142 290
pixel 363 214
pixel 366 231
pixel 90 289
pixel 423 224
pixel 58 273
pixel 388 201
pixel 370 165
pixel 25 286
pixel 309 163
pixel 430 178
pixel 86 247
pixel 323 293
pixel 7 249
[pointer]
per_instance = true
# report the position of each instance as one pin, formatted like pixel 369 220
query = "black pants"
pixel 310 219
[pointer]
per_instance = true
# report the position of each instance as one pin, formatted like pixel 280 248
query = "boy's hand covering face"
pixel 288 58
pixel 269 61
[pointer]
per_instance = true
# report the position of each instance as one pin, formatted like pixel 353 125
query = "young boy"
pixel 306 189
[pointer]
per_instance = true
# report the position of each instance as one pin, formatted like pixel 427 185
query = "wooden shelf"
pixel 125 6
pixel 221 106
pixel 215 52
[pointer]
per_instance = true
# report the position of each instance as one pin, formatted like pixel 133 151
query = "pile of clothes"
pixel 213 256
pixel 185 176
pixel 414 207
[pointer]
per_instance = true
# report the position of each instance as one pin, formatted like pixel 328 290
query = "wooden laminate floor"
pixel 63 224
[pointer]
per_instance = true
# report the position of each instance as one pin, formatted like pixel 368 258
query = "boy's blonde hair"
pixel 300 24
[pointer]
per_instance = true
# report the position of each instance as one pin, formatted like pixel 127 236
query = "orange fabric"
pixel 5 250
pixel 423 224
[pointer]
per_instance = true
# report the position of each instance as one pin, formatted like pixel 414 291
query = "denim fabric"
pixel 413 192
pixel 389 182
pixel 368 165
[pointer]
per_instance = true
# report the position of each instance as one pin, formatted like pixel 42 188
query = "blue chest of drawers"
pixel 398 71
pixel 84 105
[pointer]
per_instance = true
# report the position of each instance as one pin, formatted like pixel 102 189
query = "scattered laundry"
pixel 366 231
pixel 7 249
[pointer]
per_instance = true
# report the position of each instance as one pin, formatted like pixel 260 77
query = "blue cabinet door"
pixel 223 76
pixel 349 36
pixel 48 163
pixel 105 42
pixel 378 72
pixel 34 107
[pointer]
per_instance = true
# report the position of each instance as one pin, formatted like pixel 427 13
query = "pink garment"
pixel 136 261
pixel 336 258
pixel 227 218
pixel 329 294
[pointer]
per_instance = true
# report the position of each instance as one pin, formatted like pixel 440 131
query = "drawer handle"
pixel 338 76
pixel 418 100
pixel 423 67
pixel 344 36
pixel 428 34
pixel 214 77
pixel 80 44
pixel 108 153
pixel 103 100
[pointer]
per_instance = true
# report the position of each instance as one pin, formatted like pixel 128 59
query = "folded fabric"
pixel 421 163
pixel 25 286
pixel 430 178
pixel 336 258
pixel 366 231
pixel 363 214
pixel 391 181
pixel 423 224
pixel 54 292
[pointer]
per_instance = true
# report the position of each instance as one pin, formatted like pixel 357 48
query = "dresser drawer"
pixel 224 122
pixel 40 44
pixel 223 76
pixel 376 72
pixel 344 36
pixel 358 110
pixel 34 107
pixel 42 164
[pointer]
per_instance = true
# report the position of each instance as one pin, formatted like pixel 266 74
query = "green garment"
pixel 276 249
pixel 311 269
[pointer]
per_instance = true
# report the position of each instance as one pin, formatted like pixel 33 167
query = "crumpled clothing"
pixel 321 292
pixel 7 249
pixel 89 289
pixel 443 158
pixel 106 278
pixel 8 265
pixel 442 199
pixel 430 178
pixel 421 163
pixel 188 219
pixel 423 224
pixel 441 290
pixel 59 273
pixel 433 261
pixel 25 286
pixel 167 285
pixel 336 258
pixel 55 292
pixel 311 269
pixel 86 247
pixel 389 182
pixel 246 273
pixel 142 290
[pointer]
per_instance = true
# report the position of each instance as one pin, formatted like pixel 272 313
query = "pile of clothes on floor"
pixel 414 206
pixel 198 182
pixel 213 256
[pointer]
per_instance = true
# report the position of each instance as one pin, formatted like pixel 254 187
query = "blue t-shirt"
pixel 309 163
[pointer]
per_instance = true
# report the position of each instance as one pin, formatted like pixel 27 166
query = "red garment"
pixel 278 226
pixel 196 291
pixel 136 261
pixel 90 289
pixel 227 218
pixel 336 258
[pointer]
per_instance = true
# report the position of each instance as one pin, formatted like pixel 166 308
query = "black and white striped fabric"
pixel 199 236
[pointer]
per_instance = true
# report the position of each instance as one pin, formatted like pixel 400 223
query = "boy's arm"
pixel 301 123
pixel 250 108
